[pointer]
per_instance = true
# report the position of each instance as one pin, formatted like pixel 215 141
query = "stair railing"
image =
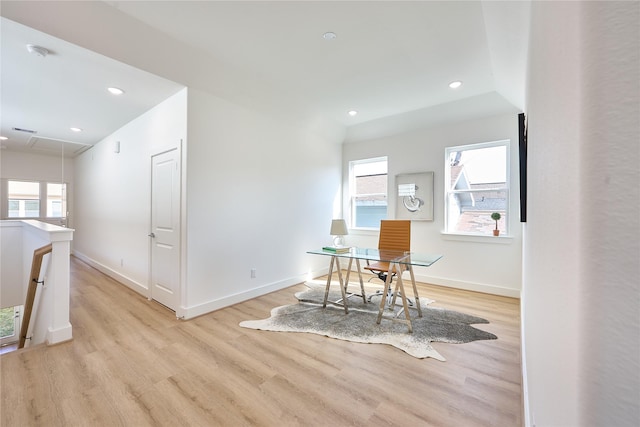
pixel 36 266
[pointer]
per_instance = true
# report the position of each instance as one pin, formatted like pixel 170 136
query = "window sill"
pixel 460 237
pixel 364 231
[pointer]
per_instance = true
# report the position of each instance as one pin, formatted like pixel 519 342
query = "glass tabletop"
pixel 383 255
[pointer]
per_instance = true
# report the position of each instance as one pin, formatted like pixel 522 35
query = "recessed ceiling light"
pixel 352 113
pixel 3 138
pixel 455 85
pixel 115 90
pixel 76 129
pixel 329 35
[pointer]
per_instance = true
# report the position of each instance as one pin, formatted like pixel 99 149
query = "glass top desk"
pixel 398 260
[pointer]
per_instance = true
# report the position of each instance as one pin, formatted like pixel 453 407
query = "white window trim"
pixel 456 235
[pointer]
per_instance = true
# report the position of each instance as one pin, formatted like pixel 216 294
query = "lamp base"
pixel 338 241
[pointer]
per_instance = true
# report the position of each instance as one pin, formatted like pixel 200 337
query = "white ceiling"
pixel 391 61
pixel 67 88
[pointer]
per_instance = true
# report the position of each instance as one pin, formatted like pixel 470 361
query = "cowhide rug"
pixel 359 325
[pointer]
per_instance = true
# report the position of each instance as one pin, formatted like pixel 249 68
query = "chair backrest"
pixel 395 234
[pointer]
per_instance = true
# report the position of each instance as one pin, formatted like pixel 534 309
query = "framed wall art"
pixel 414 196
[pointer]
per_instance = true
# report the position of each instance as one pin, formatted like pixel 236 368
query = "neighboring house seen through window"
pixel 368 192
pixel 34 199
pixel 24 199
pixel 477 185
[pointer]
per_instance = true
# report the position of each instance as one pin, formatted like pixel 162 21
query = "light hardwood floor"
pixel 132 363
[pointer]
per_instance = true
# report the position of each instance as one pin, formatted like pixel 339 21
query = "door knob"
pixel 152 235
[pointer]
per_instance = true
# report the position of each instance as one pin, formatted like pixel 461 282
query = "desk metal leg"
pixel 326 289
pixel 346 280
pixel 335 260
pixel 383 300
pixel 399 287
pixel 343 285
pixel 364 297
pixel 415 291
pixel 407 315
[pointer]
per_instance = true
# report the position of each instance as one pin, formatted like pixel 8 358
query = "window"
pixel 476 186
pixel 33 199
pixel 368 192
pixel 24 199
pixel 9 325
pixel 56 200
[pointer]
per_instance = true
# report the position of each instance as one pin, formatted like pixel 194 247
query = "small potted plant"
pixel 496 217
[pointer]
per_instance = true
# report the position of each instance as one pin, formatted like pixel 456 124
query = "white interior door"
pixel 165 228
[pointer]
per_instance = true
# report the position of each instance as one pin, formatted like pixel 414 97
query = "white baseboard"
pixel 456 284
pixel 127 281
pixel 470 286
pixel 57 336
pixel 528 416
pixel 209 306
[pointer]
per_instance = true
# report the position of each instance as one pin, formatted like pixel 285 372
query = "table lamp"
pixel 338 229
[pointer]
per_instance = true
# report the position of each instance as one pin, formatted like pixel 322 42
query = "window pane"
pixel 370 210
pixel 7 322
pixel 478 166
pixel 370 168
pixel 32 208
pixel 14 208
pixel 371 184
pixel 24 199
pixel 56 200
pixel 471 212
pixel 369 192
pixel 477 187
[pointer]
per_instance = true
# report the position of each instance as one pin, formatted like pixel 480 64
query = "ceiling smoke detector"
pixel 37 50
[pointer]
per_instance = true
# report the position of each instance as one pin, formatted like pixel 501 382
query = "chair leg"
pixel 383 277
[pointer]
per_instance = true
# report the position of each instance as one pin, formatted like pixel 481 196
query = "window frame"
pixel 506 188
pixel 43 200
pixel 352 187
pixel 17 322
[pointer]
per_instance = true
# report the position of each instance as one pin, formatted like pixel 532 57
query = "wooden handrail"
pixel 36 266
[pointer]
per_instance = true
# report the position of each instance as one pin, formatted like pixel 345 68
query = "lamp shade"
pixel 338 227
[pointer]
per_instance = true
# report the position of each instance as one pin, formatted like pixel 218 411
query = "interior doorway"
pixel 165 228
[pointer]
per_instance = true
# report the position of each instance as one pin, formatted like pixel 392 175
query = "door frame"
pixel 181 291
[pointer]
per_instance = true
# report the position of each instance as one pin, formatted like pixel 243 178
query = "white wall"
pixel 25 165
pixel 581 328
pixel 485 264
pixel 260 194
pixel 13 283
pixel 113 192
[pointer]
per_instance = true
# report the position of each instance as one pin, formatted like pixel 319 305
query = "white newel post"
pixel 50 318
pixel 60 329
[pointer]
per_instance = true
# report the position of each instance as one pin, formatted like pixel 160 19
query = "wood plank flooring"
pixel 132 363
